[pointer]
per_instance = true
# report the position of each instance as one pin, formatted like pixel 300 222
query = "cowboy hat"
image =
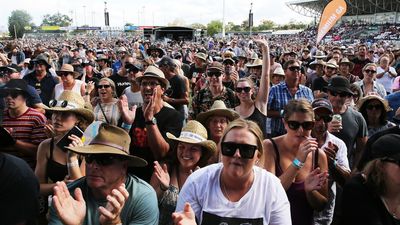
pixel 67 68
pixel 316 62
pixel 339 83
pixel 111 140
pixel 218 108
pixel 332 64
pixel 153 71
pixel 368 98
pixel 195 133
pixel 70 101
pixel 257 62
pixel 345 60
pixel 279 71
pixel 320 55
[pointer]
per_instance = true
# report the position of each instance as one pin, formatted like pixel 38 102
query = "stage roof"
pixel 313 8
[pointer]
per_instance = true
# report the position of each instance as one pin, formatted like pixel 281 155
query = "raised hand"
pixel 307 146
pixel 69 210
pixel 150 107
pixel 162 175
pixel 76 141
pixel 331 151
pixel 115 203
pixel 186 217
pixel 315 180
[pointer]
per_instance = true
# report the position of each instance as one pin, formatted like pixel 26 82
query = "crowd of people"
pixel 238 131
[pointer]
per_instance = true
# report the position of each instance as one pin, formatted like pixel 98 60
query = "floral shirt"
pixel 204 99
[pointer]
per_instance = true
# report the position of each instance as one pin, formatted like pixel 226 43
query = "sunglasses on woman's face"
pixel 326 118
pixel 102 159
pixel 307 125
pixel 105 86
pixel 370 71
pixel 373 106
pixel 246 151
pixel 241 89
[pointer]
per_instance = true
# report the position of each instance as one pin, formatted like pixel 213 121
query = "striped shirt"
pixel 279 96
pixel 28 127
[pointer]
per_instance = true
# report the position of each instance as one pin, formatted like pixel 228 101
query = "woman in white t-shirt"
pixel 235 191
pixel 68 81
pixel 385 74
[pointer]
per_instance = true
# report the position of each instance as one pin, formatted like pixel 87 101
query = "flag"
pixel 331 14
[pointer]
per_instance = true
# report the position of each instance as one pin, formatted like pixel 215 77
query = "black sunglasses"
pixel 216 74
pixel 326 118
pixel 105 86
pixel 246 151
pixel 63 74
pixel 245 89
pixel 307 125
pixel 395 161
pixel 14 94
pixel 149 83
pixel 54 103
pixel 294 68
pixel 102 159
pixel 341 94
pixel 370 71
pixel 371 107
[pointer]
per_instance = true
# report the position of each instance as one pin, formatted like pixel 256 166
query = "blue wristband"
pixel 296 163
pixel 126 126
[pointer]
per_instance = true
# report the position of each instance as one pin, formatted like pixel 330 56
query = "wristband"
pixel 296 163
pixel 126 126
pixel 163 189
pixel 73 164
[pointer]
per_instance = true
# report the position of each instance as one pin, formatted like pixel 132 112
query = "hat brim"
pixel 41 60
pixel 341 89
pixel 160 51
pixel 210 146
pixel 75 74
pixel 86 113
pixel 228 113
pixel 351 65
pixel 134 161
pixel 364 100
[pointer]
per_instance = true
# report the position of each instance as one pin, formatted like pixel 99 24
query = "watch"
pixel 153 121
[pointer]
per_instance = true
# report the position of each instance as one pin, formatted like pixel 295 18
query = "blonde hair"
pixel 368 65
pixel 112 84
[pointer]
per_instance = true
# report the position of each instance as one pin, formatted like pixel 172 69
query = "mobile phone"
pixel 65 141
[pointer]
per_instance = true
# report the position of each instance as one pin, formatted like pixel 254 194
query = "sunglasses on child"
pixel 241 89
pixel 246 151
pixel 102 159
pixel 307 125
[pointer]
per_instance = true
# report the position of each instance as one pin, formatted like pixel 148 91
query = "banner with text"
pixel 331 14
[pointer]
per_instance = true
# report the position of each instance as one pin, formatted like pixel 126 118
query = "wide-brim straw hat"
pixel 368 98
pixel 111 140
pixel 320 55
pixel 218 108
pixel 68 68
pixel 279 71
pixel 153 71
pixel 332 64
pixel 257 62
pixel 70 101
pixel 316 62
pixel 195 133
pixel 348 62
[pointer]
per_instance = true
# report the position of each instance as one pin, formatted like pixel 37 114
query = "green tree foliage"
pixel 198 26
pixel 266 25
pixel 214 27
pixel 57 19
pixel 18 19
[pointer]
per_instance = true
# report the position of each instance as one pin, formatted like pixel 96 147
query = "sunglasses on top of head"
pixel 102 159
pixel 246 151
pixel 241 89
pixel 307 125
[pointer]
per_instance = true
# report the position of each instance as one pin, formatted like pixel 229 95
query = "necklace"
pixel 392 213
pixel 225 192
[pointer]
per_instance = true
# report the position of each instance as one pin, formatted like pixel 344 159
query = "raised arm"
pixel 262 96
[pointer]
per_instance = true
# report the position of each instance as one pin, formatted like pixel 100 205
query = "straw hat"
pixel 195 133
pixel 332 64
pixel 70 101
pixel 111 140
pixel 257 62
pixel 67 68
pixel 316 62
pixel 279 71
pixel 368 98
pixel 153 71
pixel 320 55
pixel 217 109
pixel 348 62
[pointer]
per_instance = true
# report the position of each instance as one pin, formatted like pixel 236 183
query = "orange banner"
pixel 332 13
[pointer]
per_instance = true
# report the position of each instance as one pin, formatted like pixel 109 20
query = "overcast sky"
pixel 152 12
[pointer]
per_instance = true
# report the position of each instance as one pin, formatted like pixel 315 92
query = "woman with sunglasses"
pixel 368 84
pixel 373 196
pixel 374 110
pixel 107 110
pixel 235 191
pixel 69 81
pixel 192 151
pixel 250 108
pixel 298 162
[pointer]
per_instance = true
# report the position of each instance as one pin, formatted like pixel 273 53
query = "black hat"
pixel 11 68
pixel 339 83
pixel 153 47
pixel 322 103
pixel 44 58
pixel 129 67
pixel 177 55
pixel 166 61
pixel 15 85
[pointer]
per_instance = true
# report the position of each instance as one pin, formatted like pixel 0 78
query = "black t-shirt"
pixel 229 84
pixel 195 71
pixel 177 90
pixel 44 87
pixel 120 83
pixel 168 120
pixel 358 65
pixel 318 84
pixel 19 191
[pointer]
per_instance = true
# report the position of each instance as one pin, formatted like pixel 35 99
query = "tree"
pixel 214 27
pixel 245 25
pixel 266 25
pixel 57 19
pixel 18 19
pixel 198 26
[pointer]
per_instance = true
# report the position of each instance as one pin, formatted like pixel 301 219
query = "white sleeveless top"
pixel 59 88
